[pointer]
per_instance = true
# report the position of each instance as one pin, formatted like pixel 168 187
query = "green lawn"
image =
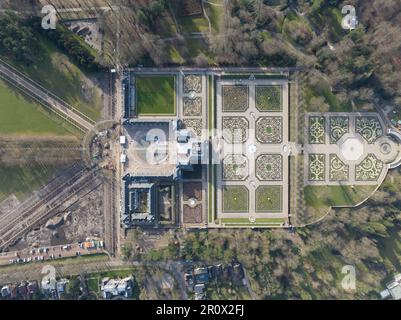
pixel 257 220
pixel 268 98
pixel 269 199
pixel 20 116
pixel 194 24
pixel 235 199
pixel 54 71
pixel 155 95
pixel 215 14
pixel 328 196
pixel 21 180
pixel 327 16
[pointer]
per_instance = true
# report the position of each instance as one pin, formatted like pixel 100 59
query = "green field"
pixel 235 199
pixel 23 117
pixel 54 71
pixel 155 95
pixel 269 199
pixel 268 98
pixel 21 180
pixel 329 196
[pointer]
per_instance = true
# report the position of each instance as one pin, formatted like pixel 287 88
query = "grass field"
pixel 235 199
pixel 269 199
pixel 215 14
pixel 268 98
pixel 155 95
pixel 53 70
pixel 328 196
pixel 21 180
pixel 20 116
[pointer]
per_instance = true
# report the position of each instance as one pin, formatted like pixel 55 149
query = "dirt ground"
pixel 147 240
pixel 82 220
pixel 90 31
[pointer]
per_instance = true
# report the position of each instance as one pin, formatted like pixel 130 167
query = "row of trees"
pixel 16 38
pixel 67 42
pixel 19 40
pixel 149 15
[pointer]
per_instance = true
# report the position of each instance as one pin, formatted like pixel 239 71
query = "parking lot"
pixel 51 253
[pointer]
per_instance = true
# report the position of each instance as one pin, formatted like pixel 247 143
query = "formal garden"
pixel 194 124
pixel 369 169
pixel 235 199
pixel 369 128
pixel 192 106
pixel 235 129
pixel 338 127
pixel 235 98
pixel 192 83
pixel 235 167
pixel 317 167
pixel 269 130
pixel 317 131
pixel 268 98
pixel 269 199
pixel 269 167
pixel 338 171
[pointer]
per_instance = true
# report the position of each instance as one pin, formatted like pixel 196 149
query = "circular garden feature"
pixel 269 167
pixel 269 130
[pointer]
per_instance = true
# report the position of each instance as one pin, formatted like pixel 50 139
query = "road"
pixel 111 227
pixel 35 90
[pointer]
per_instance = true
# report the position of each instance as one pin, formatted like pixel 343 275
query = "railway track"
pixel 15 228
pixel 15 233
pixel 53 189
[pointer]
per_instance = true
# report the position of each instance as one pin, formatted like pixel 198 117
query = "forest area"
pixel 359 65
